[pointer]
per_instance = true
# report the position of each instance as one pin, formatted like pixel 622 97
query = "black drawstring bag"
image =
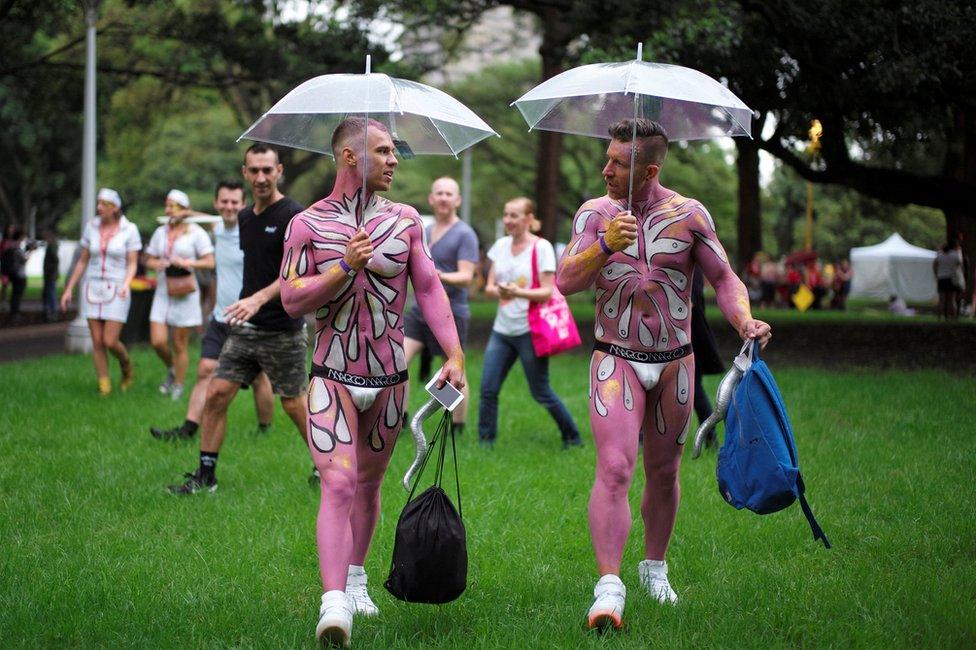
pixel 430 556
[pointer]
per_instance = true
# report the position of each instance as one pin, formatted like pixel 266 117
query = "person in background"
pixel 263 338
pixel 175 251
pixel 768 281
pixel 454 247
pixel 5 243
pixel 52 272
pixel 815 281
pixel 707 359
pixel 228 201
pixel 108 248
pixel 510 282
pixel 841 284
pixel 14 263
pixel 947 267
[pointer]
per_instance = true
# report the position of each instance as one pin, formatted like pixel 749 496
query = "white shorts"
pixel 100 301
pixel 176 311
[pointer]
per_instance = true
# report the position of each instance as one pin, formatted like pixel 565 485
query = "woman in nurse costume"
pixel 175 251
pixel 109 247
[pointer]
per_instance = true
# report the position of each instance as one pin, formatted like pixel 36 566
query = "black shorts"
pixel 415 327
pixel 947 285
pixel 280 354
pixel 213 339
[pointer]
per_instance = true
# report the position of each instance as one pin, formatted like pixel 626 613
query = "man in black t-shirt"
pixel 263 337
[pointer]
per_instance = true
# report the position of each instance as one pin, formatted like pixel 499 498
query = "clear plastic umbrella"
pixel 421 119
pixel 587 100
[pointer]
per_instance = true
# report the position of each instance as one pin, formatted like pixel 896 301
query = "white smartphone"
pixel 448 396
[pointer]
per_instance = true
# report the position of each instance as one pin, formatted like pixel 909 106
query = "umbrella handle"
pixel 416 429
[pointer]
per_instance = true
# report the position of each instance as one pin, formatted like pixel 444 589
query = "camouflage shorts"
pixel 281 355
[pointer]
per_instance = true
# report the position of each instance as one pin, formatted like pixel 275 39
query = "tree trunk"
pixel 555 36
pixel 961 166
pixel 749 223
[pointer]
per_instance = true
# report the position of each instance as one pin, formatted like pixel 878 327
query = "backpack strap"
pixel 808 513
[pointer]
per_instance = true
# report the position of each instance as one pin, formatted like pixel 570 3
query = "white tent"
pixel 893 268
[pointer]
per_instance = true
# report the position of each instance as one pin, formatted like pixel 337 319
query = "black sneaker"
pixel 569 443
pixel 194 484
pixel 176 433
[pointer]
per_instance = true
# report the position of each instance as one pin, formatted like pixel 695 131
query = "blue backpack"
pixel 758 466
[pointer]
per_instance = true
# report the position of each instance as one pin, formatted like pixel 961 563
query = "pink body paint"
pixel 643 303
pixel 359 334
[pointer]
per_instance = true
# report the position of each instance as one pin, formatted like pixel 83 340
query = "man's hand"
pixel 243 310
pixel 359 251
pixel 756 329
pixel 452 372
pixel 622 231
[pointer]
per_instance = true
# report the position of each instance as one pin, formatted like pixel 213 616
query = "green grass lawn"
pixel 96 554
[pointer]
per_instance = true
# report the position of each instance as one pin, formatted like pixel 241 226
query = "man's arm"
pixel 460 278
pixel 435 306
pixel 579 271
pixel 731 293
pixel 244 309
pixel 303 289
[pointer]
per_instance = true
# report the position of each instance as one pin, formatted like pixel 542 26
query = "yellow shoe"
pixel 104 386
pixel 128 376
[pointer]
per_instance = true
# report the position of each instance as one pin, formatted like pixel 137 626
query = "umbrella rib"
pixel 443 137
pixel 739 124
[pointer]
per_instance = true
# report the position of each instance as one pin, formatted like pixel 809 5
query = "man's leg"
pixel 263 401
pixel 616 410
pixel 198 397
pixel 666 421
pixel 297 409
pixel 617 402
pixel 220 393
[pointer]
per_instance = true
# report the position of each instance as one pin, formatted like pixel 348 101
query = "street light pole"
pixel 77 339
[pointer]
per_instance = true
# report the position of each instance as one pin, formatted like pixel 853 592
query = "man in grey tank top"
pixel 454 247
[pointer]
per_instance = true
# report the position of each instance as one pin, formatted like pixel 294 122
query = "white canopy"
pixel 893 268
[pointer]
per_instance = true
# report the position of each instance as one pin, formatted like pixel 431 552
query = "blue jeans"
pixel 50 298
pixel 501 353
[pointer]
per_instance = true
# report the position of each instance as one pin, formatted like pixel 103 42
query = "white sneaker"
pixel 176 392
pixel 335 620
pixel 654 577
pixel 608 603
pixel 167 384
pixel 356 592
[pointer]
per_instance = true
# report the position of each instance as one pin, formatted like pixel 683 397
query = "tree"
pixel 895 90
pixel 241 52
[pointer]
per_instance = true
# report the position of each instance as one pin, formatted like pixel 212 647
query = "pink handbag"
pixel 550 323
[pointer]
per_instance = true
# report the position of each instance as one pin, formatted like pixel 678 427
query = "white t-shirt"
pixel 512 318
pixel 109 264
pixel 230 268
pixel 192 244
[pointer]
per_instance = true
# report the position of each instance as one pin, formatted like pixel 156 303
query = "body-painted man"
pixel 641 371
pixel 349 263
